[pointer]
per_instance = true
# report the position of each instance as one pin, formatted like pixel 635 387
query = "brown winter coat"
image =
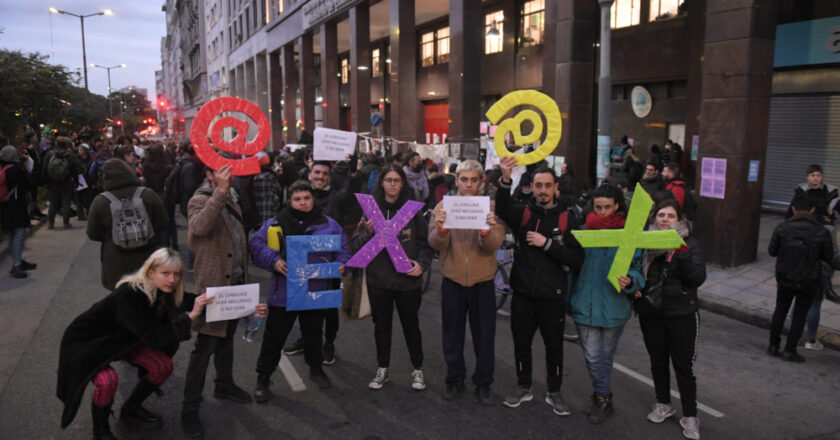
pixel 209 238
pixel 466 257
pixel 120 179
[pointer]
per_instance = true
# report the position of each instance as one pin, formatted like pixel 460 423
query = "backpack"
pixel 796 258
pixel 5 194
pixel 690 203
pixel 58 169
pixel 562 219
pixel 130 225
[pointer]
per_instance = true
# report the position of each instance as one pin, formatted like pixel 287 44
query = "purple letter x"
pixel 386 234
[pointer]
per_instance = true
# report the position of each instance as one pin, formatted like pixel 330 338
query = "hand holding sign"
pixel 466 212
pixel 541 102
pixel 386 234
pixel 204 127
pixel 232 302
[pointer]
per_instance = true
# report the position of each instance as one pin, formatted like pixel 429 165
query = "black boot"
pixel 191 424
pixel 101 430
pixel 262 393
pixel 603 409
pixel 27 265
pixel 133 410
pixel 18 272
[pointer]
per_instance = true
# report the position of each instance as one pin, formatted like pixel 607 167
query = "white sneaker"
pixel 813 345
pixel 660 412
pixel 417 381
pixel 691 427
pixel 381 379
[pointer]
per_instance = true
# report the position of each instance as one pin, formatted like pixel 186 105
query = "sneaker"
pixel 294 348
pixel 191 425
pixel 27 265
pixel 18 272
pixel 660 412
pixel 773 350
pixel 380 379
pixel 602 411
pixel 418 383
pixel 792 356
pixel 522 394
pixel 262 393
pixel 482 393
pixel 317 375
pixel 329 353
pixel 233 393
pixel 691 427
pixel 557 403
pixel 811 344
pixel 453 390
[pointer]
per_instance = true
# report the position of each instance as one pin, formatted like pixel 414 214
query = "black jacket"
pixel 13 212
pixel 111 328
pixel 652 186
pixel 414 238
pixel 539 273
pixel 818 239
pixel 825 200
pixel 686 272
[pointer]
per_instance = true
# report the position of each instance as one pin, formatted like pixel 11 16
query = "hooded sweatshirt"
pixel 120 179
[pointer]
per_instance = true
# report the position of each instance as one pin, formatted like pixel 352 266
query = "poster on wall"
pixel 713 178
pixel 695 146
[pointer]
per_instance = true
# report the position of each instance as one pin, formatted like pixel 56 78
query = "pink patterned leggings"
pixel 158 365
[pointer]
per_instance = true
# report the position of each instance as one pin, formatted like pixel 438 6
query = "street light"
pixel 108 68
pixel 82 21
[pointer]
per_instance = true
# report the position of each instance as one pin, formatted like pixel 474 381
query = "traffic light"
pixel 119 122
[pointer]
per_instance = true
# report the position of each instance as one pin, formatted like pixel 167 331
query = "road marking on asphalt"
pixel 291 375
pixel 641 378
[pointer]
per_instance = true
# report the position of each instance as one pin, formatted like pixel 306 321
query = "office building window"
pixel 660 9
pixel 345 71
pixel 427 49
pixel 532 26
pixel 442 45
pixel 493 32
pixel 624 13
pixel 375 67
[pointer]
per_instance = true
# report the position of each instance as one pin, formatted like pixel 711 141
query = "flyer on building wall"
pixel 713 178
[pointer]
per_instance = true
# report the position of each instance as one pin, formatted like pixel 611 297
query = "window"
pixel 375 67
pixel 316 67
pixel 493 32
pixel 427 49
pixel 345 70
pixel 442 45
pixel 624 13
pixel 532 26
pixel 660 9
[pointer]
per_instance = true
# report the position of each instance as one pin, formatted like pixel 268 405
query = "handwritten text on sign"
pixel 232 302
pixel 466 212
pixel 332 144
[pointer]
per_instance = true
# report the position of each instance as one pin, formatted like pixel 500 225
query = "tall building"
pixel 215 16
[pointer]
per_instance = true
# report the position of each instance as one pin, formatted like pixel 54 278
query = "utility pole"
pixel 604 94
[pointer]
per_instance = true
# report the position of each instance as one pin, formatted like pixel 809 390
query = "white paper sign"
pixel 333 144
pixel 232 302
pixel 82 183
pixel 466 212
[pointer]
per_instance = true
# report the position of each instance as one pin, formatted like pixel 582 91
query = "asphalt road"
pixel 745 394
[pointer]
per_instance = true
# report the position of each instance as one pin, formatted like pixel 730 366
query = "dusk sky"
pixel 131 36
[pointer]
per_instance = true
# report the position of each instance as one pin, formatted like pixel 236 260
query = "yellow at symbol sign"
pixel 514 125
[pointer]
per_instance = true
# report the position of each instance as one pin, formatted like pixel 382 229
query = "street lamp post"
pixel 108 68
pixel 604 93
pixel 82 21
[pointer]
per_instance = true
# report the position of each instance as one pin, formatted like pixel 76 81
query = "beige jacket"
pixel 466 257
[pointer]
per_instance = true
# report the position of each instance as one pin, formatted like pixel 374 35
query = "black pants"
pixel 60 196
pixel 222 351
pixel 277 327
pixel 675 339
pixel 479 301
pixel 784 297
pixel 549 316
pixel 330 325
pixel 382 309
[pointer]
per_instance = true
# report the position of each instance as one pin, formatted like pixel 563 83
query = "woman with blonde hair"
pixel 142 322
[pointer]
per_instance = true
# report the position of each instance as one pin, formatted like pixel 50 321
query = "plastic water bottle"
pixel 252 327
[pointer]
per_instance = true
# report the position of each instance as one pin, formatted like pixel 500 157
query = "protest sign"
pixel 333 144
pixel 466 212
pixel 232 302
pixel 387 233
pixel 298 294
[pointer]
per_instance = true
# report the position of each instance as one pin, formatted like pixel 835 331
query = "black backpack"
pixel 796 258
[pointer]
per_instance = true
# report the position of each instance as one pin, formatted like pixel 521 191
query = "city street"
pixel 743 393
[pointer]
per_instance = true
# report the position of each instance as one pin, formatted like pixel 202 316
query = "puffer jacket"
pixel 265 257
pixel 594 301
pixel 686 272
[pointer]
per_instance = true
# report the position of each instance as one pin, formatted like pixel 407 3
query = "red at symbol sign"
pixel 201 129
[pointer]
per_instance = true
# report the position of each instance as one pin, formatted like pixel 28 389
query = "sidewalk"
pixel 748 293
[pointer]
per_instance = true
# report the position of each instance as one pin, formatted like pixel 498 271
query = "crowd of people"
pixel 133 190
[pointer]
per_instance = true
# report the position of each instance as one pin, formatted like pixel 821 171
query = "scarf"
pixel 614 221
pixel 650 255
pixel 295 222
pixel 418 182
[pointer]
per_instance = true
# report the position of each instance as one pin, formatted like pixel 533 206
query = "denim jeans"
pixel 599 345
pixel 812 320
pixel 16 245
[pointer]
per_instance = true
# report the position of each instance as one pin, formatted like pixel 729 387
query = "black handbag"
pixel 650 303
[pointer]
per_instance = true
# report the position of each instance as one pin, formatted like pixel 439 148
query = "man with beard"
pixel 652 180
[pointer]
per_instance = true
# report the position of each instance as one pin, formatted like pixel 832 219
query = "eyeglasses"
pixel 392 181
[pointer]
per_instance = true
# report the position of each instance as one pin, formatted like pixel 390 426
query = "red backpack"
pixel 562 219
pixel 5 194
